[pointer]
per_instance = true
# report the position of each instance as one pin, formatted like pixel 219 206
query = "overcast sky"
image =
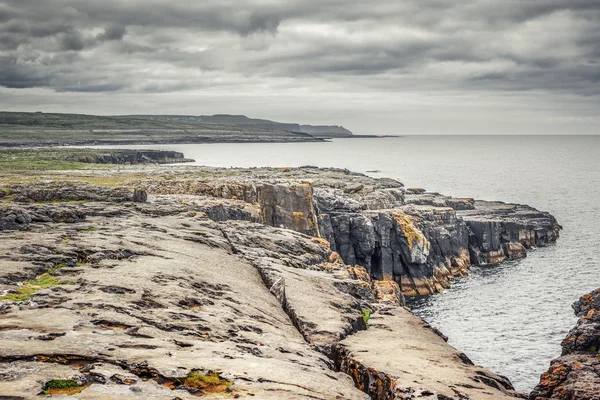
pixel 387 66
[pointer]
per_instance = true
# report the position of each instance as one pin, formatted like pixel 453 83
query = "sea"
pixel 509 318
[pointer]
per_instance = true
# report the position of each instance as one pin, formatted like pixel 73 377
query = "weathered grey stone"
pixel 576 374
pixel 139 196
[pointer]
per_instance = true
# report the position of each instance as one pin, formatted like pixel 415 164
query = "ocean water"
pixel 509 318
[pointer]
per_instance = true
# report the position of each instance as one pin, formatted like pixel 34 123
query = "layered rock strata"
pixel 189 295
pixel 419 240
pixel 576 374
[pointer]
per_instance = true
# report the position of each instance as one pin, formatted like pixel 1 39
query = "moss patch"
pixel 31 287
pixel 62 386
pixel 210 382
pixel 366 315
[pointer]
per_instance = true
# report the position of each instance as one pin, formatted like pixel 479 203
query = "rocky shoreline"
pixel 576 373
pixel 300 138
pixel 130 157
pixel 177 282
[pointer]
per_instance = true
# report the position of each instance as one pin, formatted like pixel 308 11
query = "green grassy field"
pixel 41 129
pixel 44 159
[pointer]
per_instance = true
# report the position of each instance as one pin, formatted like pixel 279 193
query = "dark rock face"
pixel 130 157
pixel 576 374
pixel 419 239
pixel 501 231
pixel 140 196
pixel 13 218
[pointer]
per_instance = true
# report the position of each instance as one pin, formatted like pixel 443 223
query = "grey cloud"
pixel 113 32
pixel 6 14
pixel 91 87
pixel 73 41
pixel 549 45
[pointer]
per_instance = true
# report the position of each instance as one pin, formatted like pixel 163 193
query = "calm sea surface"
pixel 509 318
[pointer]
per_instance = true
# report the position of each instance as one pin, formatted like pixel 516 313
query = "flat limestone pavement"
pixel 191 294
pixel 171 307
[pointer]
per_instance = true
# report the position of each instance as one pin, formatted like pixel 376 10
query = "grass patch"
pixel 40 165
pixel 44 159
pixel 210 382
pixel 31 287
pixel 366 315
pixel 62 386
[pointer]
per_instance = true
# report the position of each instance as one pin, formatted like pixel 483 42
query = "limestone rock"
pixel 576 374
pixel 139 196
pixel 416 238
pixel 143 300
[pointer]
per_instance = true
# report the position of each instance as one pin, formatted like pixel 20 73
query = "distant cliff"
pixel 325 131
pixel 49 129
pixel 242 120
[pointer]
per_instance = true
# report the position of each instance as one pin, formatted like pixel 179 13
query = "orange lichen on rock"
pixel 413 235
pixel 387 292
pixel 591 314
pixel 358 272
pixel 335 258
pixel 322 242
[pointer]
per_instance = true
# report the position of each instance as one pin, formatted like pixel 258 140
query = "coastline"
pixel 241 212
pixel 201 140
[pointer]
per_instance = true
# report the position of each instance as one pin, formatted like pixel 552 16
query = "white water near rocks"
pixel 509 318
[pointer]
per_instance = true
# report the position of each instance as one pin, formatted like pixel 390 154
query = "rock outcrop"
pixel 419 240
pixel 204 290
pixel 128 157
pixel 576 374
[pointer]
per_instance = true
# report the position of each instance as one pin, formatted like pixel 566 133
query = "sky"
pixel 381 67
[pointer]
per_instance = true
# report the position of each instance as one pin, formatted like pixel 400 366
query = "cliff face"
pixel 421 240
pixel 326 130
pixel 183 294
pixel 576 374
pixel 129 157
pixel 417 239
pixel 244 121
